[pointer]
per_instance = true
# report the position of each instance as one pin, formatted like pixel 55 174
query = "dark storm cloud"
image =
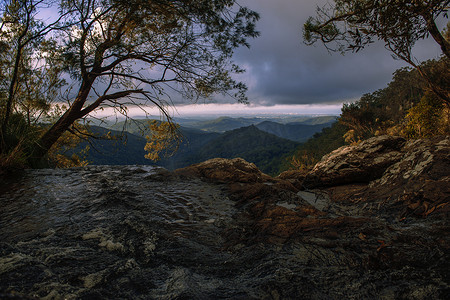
pixel 281 69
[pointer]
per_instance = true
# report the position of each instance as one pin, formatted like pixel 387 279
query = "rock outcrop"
pixel 355 164
pixel 225 170
pixel 418 183
pixel 368 222
pixel 382 206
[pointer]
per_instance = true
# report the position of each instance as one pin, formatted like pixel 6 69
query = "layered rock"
pixel 225 170
pixel 355 164
pixel 388 173
pixel 419 183
pixel 368 222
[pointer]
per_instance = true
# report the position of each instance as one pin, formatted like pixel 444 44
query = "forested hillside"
pixel 298 132
pixel 267 151
pixel 406 107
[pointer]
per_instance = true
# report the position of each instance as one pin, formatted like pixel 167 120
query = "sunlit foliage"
pixel 163 140
pixel 384 111
pixel 406 107
pixel 428 118
pixel 117 53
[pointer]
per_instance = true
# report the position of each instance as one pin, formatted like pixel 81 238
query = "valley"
pixel 266 141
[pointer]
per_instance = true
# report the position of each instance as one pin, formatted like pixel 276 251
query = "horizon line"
pixel 228 109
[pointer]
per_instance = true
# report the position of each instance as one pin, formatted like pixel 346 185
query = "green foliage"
pixel 428 118
pixel 310 152
pixel 15 139
pixel 354 24
pixel 384 111
pixel 30 76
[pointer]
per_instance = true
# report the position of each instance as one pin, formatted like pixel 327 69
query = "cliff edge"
pixel 368 222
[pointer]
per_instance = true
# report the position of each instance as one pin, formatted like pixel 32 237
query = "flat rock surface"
pixel 218 230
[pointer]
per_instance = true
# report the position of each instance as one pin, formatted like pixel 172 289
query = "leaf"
pixel 383 245
pixel 414 205
pixel 426 213
pixel 362 236
pixel 441 205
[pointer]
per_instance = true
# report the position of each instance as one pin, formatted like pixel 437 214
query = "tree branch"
pixel 103 98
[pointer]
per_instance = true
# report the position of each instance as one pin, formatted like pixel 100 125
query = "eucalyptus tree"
pixel 29 79
pixel 124 52
pixel 353 24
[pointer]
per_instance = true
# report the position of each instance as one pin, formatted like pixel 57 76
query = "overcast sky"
pixel 281 69
pixel 286 76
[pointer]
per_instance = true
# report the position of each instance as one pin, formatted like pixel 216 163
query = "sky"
pixel 284 74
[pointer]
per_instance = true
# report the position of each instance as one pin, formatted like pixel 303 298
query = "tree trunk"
pixel 442 94
pixel 437 36
pixel 49 138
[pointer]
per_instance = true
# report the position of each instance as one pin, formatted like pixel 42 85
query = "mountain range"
pixel 264 142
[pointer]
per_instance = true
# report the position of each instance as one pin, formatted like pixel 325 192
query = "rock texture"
pixel 368 222
pixel 419 183
pixel 392 227
pixel 225 170
pixel 352 164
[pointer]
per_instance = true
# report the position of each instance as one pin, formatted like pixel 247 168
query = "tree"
pixel 384 111
pixel 428 118
pixel 354 24
pixel 30 74
pixel 163 140
pixel 23 40
pixel 131 52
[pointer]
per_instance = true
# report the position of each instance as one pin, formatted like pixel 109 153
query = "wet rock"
pixel 225 170
pixel 355 164
pixel 224 230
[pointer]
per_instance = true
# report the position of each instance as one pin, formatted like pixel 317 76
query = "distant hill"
pixel 140 127
pixel 304 119
pixel 265 150
pixel 258 140
pixel 315 120
pixel 223 124
pixel 298 132
pixel 128 149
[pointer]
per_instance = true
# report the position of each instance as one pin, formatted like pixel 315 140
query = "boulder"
pixel 362 163
pixel 225 170
pixel 419 183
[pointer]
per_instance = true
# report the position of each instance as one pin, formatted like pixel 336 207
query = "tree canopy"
pixel 351 25
pixel 138 52
pixel 405 107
